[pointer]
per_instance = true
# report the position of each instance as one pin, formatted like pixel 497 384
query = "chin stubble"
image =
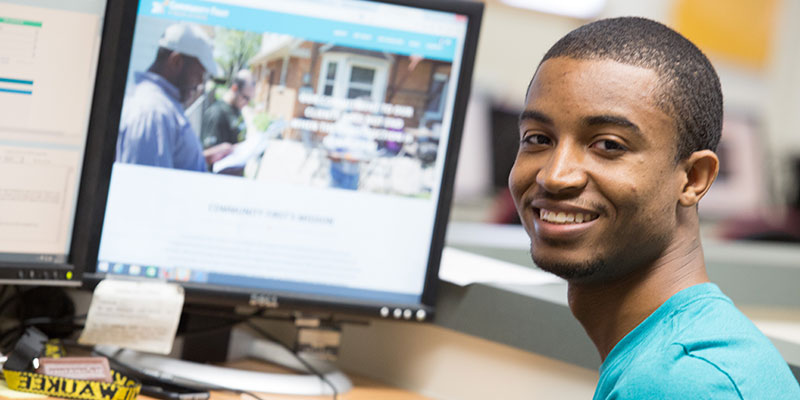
pixel 571 271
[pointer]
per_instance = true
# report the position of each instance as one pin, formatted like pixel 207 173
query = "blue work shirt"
pixel 697 345
pixel 154 130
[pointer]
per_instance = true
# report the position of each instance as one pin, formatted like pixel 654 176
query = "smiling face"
pixel 595 181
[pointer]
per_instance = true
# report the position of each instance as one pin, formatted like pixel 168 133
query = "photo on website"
pixel 272 107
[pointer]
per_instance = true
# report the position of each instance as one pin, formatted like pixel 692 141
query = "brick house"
pixel 286 66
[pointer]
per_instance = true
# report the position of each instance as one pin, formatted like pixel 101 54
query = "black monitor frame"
pixel 114 60
pixel 95 173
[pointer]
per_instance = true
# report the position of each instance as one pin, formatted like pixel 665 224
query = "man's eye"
pixel 536 139
pixel 609 145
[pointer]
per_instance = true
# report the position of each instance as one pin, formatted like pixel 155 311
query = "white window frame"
pixel 344 69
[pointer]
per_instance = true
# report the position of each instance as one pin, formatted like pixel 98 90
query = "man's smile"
pixel 562 217
pixel 557 220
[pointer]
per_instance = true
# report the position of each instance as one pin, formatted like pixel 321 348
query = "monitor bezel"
pixel 108 108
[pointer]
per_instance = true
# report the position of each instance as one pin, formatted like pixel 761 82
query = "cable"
pixel 3 293
pixel 13 334
pixel 205 331
pixel 305 363
pixel 240 318
pixel 235 320
pixel 12 298
pixel 144 375
pixel 66 320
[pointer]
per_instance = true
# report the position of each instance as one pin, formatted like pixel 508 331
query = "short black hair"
pixel 690 89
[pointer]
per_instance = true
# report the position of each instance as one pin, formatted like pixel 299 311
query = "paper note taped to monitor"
pixel 138 315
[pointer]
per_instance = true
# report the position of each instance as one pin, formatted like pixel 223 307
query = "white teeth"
pixel 565 218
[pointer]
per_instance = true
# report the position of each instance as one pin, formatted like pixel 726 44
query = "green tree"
pixel 234 49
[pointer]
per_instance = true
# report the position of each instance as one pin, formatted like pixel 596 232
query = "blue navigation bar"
pixel 309 28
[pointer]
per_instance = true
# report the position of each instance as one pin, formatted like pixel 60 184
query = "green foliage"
pixel 234 49
pixel 261 121
pixel 219 91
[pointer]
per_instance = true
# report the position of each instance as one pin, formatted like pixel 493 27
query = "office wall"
pixel 514 40
pixel 782 108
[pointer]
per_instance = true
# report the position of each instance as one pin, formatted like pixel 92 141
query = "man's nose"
pixel 564 171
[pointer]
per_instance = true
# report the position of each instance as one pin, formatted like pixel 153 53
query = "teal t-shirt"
pixel 697 345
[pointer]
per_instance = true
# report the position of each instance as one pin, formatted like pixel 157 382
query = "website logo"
pixel 187 10
pixel 159 7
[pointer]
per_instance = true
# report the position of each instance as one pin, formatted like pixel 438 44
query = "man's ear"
pixel 701 169
pixel 175 62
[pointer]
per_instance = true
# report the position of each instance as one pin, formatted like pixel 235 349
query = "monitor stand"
pixel 242 345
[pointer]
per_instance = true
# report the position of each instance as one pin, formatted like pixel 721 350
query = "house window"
pixel 353 76
pixel 330 79
pixel 361 82
pixel 434 108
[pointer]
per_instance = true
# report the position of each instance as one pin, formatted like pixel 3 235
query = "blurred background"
pixel 754 47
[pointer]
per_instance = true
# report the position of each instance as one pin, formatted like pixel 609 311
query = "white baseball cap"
pixel 190 40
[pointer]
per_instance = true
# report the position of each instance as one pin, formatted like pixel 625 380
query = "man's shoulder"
pixel 149 105
pixel 745 357
pixel 148 96
pixel 714 369
pixel 714 329
pixel 707 346
pixel 703 345
pixel 672 374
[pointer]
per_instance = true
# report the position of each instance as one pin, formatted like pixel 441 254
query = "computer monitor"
pixel 48 67
pixel 324 185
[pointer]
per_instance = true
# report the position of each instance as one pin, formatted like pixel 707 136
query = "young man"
pixel 617 146
pixel 223 119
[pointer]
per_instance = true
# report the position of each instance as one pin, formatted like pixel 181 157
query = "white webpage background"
pixel 171 218
pixel 42 135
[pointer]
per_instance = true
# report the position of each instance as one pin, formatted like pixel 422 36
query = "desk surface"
pixel 363 388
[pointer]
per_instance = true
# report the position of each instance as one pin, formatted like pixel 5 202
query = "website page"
pixel 306 157
pixel 48 61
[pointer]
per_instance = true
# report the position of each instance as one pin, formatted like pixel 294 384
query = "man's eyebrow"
pixel 536 116
pixel 621 122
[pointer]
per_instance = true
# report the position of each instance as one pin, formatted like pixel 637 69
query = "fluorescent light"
pixel 569 8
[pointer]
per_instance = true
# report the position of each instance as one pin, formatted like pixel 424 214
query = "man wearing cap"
pixel 153 127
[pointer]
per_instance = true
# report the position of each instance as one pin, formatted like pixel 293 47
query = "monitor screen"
pixel 48 62
pixel 290 152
